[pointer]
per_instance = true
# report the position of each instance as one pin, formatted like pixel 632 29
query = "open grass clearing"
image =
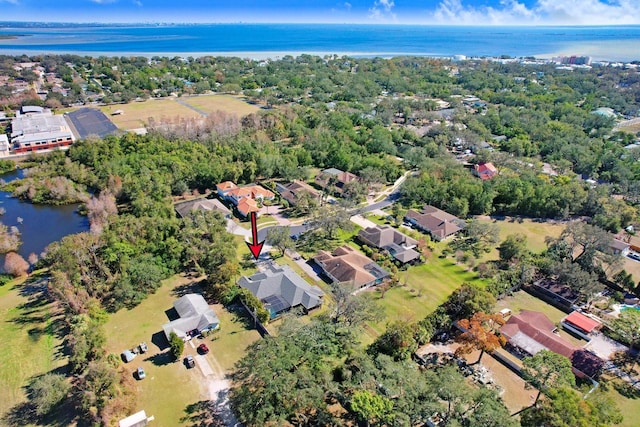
pixel 169 387
pixel 626 399
pixel 30 328
pixel 137 114
pixel 227 103
pixel 535 232
pixel 632 267
pixel 422 289
pixel 630 126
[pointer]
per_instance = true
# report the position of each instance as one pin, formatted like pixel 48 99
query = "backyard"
pixel 535 232
pixel 422 288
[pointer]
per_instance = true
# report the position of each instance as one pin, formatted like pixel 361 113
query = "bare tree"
pixel 15 265
pixel 100 209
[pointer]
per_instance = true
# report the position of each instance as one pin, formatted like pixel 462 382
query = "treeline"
pixel 518 190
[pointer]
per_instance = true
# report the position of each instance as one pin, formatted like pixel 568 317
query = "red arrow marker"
pixel 255 247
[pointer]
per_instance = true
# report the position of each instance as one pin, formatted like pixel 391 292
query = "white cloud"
pixel 104 1
pixel 544 12
pixel 137 3
pixel 381 11
pixel 347 5
pixel 9 1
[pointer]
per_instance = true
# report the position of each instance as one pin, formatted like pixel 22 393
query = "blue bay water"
pixel 271 40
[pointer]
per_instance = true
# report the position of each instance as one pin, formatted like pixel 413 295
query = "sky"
pixel 442 12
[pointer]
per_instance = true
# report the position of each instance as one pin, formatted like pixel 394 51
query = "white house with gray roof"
pixel 195 315
pixel 280 289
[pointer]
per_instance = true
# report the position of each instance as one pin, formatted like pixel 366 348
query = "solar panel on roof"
pixel 275 304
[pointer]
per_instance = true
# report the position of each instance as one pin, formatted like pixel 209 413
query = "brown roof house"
pixel 438 223
pixel 531 331
pixel 346 265
pixel 293 191
pixel 619 247
pixel 335 179
pixel 280 289
pixel 400 246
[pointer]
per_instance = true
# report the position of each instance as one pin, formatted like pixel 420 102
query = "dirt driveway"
pixel 214 380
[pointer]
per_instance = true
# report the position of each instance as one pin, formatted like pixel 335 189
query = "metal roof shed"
pixel 139 419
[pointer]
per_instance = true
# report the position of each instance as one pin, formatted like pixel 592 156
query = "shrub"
pixel 176 344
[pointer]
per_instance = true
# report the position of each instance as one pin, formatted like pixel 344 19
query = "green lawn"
pixel 29 327
pixel 235 335
pixel 169 387
pixel 536 233
pixel 628 403
pixel 433 281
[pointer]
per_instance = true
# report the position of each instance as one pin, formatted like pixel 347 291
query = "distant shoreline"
pixel 273 41
pixel 276 55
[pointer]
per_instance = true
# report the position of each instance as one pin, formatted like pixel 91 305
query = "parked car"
pixel 203 349
pixel 189 362
pixel 143 347
pixel 128 356
pixel 140 373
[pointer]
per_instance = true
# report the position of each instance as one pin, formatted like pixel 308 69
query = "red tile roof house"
pixel 485 171
pixel 243 198
pixel 346 265
pixel 580 324
pixel 438 223
pixel 531 331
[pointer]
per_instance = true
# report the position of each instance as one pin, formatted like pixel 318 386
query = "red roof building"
pixel 531 331
pixel 485 171
pixel 583 323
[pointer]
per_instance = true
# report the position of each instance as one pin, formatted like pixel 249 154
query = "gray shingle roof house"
pixel 195 314
pixel 184 208
pixel 399 245
pixel 280 288
pixel 438 223
pixel 346 265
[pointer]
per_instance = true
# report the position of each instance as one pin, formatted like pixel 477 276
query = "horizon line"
pixel 388 24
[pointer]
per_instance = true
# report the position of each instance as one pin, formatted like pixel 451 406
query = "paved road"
pixel 393 194
pixel 197 110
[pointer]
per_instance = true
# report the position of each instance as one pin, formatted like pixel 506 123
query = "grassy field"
pixel 30 330
pixel 227 103
pixel 427 286
pixel 536 233
pixel 627 402
pixel 137 114
pixel 631 126
pixel 169 387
